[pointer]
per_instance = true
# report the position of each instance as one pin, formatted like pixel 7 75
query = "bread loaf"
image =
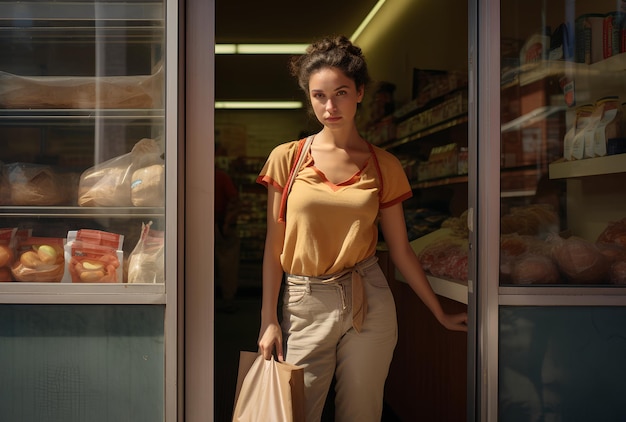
pixel 90 92
pixel 147 188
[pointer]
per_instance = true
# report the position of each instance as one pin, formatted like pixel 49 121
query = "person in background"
pixel 338 314
pixel 227 241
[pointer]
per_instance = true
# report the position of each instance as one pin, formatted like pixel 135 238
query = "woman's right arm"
pixel 270 335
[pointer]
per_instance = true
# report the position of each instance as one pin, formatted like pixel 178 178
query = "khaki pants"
pixel 318 334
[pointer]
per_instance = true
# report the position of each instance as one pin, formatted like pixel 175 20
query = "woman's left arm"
pixel 404 258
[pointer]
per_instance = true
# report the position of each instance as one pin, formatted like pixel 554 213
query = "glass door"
pixel 88 210
pixel 553 307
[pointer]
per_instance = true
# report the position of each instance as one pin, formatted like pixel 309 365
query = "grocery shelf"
pixel 130 10
pixel 451 180
pixel 81 212
pixel 82 293
pixel 71 114
pixel 533 72
pixel 426 132
pixel 452 289
pixel 589 167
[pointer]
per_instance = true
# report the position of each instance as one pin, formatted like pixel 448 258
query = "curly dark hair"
pixel 333 51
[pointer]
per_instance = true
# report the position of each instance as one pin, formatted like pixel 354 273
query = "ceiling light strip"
pixel 258 105
pixel 367 20
pixel 260 48
pixel 289 48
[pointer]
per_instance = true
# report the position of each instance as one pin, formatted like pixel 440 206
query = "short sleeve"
pixel 395 186
pixel 275 172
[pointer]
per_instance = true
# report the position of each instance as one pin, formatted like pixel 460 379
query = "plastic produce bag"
pixel 268 390
pixel 146 263
pixel 39 185
pixel 39 259
pixel 109 184
pixel 93 256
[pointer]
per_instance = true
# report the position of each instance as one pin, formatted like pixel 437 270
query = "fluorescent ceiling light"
pixel 256 105
pixel 260 48
pixel 367 20
pixel 288 48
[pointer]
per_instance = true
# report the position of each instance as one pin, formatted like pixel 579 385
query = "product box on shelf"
pixel 453 106
pixel 382 131
pixel 442 162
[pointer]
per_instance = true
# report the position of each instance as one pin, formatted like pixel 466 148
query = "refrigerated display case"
pixel 88 197
pixel 549 299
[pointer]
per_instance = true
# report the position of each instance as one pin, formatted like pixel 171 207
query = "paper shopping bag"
pixel 268 390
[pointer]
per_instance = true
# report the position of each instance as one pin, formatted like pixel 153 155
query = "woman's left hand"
pixel 454 322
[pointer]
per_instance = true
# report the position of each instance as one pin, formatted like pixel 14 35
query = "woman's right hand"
pixel 271 337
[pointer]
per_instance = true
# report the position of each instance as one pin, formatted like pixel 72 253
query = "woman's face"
pixel 334 97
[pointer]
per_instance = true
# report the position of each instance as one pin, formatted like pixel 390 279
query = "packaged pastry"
pixel 609 125
pixel 109 184
pixel 38 185
pixel 147 188
pixel 93 256
pixel 39 259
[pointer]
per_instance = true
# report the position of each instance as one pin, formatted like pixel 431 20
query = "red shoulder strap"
pixel 378 170
pixel 283 200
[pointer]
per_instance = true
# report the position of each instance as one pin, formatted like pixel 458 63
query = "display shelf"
pixel 536 71
pixel 129 10
pixel 82 212
pixel 589 167
pixel 452 289
pixel 82 293
pixel 451 180
pixel 18 116
pixel 426 132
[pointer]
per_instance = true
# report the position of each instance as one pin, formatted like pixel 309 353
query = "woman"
pixel 338 314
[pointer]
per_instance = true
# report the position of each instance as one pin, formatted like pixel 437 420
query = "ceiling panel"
pixel 286 21
pixel 266 77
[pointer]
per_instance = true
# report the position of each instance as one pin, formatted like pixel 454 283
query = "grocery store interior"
pixel 508 117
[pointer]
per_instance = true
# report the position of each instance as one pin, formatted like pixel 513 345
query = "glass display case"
pixel 552 303
pixel 84 237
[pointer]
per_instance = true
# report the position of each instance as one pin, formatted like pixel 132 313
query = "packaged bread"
pixel 581 261
pixel 39 259
pixel 533 220
pixel 147 260
pixel 109 184
pixel 39 185
pixel 147 188
pixel 84 92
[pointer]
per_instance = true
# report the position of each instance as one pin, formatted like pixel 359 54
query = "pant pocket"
pixel 294 295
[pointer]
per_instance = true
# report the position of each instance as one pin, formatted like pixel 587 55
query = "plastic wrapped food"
pixel 82 92
pixel 534 269
pixel 39 185
pixel 109 184
pixel 615 232
pixel 580 261
pixel 147 188
pixel 93 256
pixel 39 259
pixel 147 260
